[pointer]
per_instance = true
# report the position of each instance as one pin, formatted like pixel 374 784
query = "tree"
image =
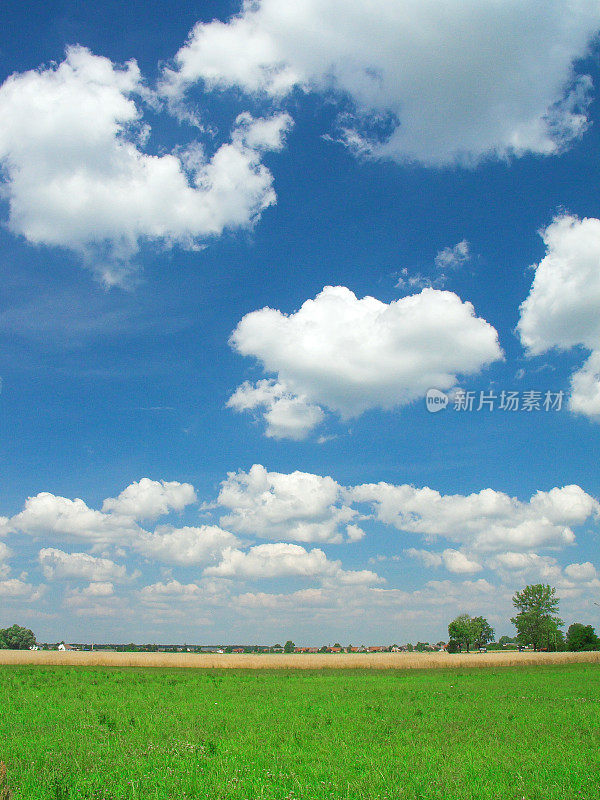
pixel 453 646
pixel 582 637
pixel 481 631
pixel 469 631
pixel 16 638
pixel 537 622
pixel 289 646
pixel 459 630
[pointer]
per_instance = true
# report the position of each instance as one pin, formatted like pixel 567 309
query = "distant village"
pixel 288 647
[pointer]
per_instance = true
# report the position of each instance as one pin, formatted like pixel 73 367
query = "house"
pixel 62 647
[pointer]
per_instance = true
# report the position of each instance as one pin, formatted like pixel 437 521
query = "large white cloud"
pixel 487 520
pixel 186 546
pixel 147 499
pixel 274 505
pixel 49 515
pixel 453 81
pixel 72 146
pixel 351 354
pixel 58 565
pixel 280 560
pixel 563 306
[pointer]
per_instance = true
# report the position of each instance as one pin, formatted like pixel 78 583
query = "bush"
pixel 453 646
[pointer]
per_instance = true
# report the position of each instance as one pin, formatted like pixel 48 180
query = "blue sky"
pixel 168 231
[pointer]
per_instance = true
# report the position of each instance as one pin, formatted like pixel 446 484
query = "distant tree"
pixel 453 646
pixel 337 644
pixel 507 640
pixel 582 637
pixel 481 631
pixel 459 631
pixel 470 631
pixel 537 622
pixel 409 647
pixel 288 647
pixel 421 647
pixel 16 638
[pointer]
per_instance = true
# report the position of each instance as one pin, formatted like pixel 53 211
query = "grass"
pixel 139 734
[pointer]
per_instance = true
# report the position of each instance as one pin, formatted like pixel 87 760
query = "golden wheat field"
pixel 293 661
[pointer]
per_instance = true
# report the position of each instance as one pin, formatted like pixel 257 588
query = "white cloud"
pixel 279 560
pixel 287 415
pixel 49 515
pixel 5 554
pixel 147 499
pixel 454 560
pixel 448 82
pixel 485 521
pixel 58 565
pixel 186 546
pixel 98 599
pixel 15 589
pixel 297 506
pixel 77 176
pixel 581 572
pixel 453 257
pixel 351 355
pixel 563 307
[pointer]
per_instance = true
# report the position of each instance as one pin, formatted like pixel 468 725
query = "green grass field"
pixel 154 734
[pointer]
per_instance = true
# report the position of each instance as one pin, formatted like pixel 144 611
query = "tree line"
pixel 537 622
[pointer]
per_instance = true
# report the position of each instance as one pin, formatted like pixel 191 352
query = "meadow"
pixel 102 733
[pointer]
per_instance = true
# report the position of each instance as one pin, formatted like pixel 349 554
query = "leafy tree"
pixel 288 647
pixel 421 647
pixel 453 646
pixel 337 644
pixel 481 631
pixel 459 630
pixel 470 631
pixel 537 622
pixel 409 648
pixel 506 640
pixel 582 637
pixel 16 638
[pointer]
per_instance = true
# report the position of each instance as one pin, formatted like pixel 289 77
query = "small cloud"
pixel 453 257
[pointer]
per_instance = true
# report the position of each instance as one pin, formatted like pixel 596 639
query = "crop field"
pixel 441 660
pixel 531 732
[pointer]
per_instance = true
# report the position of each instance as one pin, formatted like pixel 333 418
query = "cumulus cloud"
pixel 274 505
pixel 280 560
pixel 147 499
pixel 58 517
pixel 186 546
pixel 487 520
pixel 16 589
pixel 287 415
pixel 581 572
pixel 350 355
pixel 58 565
pixel 77 174
pixel 563 307
pixel 445 82
pixel 453 560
